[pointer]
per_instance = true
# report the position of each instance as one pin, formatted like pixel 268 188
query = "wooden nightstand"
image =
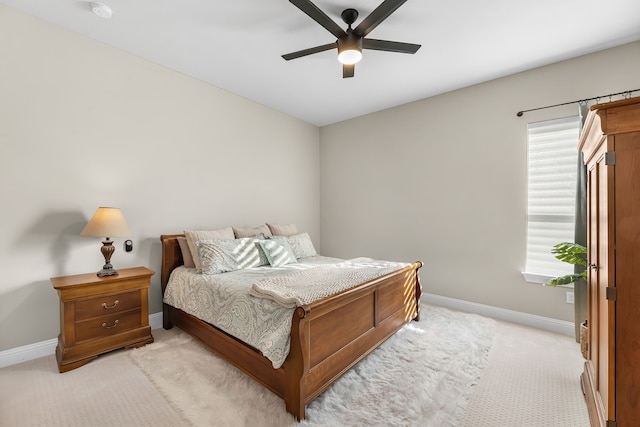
pixel 100 314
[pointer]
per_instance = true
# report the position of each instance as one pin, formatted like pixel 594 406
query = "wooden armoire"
pixel 610 141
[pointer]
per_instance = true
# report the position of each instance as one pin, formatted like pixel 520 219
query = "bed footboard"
pixel 332 335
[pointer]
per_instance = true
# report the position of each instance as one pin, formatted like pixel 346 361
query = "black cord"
pixel 598 98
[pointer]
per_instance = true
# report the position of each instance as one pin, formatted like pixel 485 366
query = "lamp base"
pixel 107 250
pixel 107 272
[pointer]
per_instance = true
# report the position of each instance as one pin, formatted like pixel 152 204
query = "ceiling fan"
pixel 351 42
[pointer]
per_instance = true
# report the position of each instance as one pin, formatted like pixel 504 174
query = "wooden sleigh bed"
pixel 328 337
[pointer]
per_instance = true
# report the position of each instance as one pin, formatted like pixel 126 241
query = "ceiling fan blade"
pixel 348 70
pixel 319 16
pixel 310 51
pixel 389 46
pixel 379 14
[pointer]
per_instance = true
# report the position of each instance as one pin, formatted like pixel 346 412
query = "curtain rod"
pixel 626 93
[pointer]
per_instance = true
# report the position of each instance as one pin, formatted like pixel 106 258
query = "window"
pixel 551 196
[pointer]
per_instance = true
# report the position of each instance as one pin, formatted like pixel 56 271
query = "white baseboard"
pixel 540 322
pixel 155 320
pixel 27 352
pixel 45 348
pixel 17 355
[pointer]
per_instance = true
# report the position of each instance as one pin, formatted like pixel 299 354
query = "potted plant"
pixel 576 254
pixel 572 253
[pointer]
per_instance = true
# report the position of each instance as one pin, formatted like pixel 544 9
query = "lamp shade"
pixel 107 222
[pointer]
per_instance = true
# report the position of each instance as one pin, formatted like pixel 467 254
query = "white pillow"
pixel 300 243
pixel 278 253
pixel 193 236
pixel 221 256
pixel 216 256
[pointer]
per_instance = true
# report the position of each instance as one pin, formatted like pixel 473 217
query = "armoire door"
pixel 627 355
pixel 601 276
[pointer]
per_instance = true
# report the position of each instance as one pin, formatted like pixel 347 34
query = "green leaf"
pixel 572 253
pixel 565 280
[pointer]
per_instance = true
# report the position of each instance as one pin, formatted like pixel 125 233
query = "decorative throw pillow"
pixel 261 255
pixel 283 229
pixel 248 253
pixel 251 232
pixel 278 253
pixel 217 256
pixel 221 256
pixel 300 243
pixel 193 236
pixel 187 257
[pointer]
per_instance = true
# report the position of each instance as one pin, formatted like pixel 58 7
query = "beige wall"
pixel 84 125
pixel 443 180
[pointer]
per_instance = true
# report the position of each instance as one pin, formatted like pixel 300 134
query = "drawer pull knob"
pixel 109 307
pixel 104 325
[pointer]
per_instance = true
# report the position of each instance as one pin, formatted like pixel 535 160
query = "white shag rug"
pixel 422 376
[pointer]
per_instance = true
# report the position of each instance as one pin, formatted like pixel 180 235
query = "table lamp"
pixel 106 223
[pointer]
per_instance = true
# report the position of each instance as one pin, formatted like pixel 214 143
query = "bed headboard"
pixel 171 257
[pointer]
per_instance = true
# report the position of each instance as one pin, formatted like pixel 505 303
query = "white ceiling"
pixel 236 45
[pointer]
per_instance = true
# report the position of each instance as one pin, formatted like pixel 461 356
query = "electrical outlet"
pixel 569 297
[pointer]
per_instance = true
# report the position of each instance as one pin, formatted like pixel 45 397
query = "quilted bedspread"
pixel 302 287
pixel 225 300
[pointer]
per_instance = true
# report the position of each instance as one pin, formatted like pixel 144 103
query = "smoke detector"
pixel 102 10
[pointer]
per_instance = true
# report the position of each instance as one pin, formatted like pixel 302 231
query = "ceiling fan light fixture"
pixel 349 49
pixel 350 56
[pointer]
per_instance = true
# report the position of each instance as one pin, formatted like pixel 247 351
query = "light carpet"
pixel 422 376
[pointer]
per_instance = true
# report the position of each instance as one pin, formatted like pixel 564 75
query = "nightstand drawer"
pixel 107 326
pixel 107 305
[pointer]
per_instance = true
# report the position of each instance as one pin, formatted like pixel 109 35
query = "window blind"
pixel 551 195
